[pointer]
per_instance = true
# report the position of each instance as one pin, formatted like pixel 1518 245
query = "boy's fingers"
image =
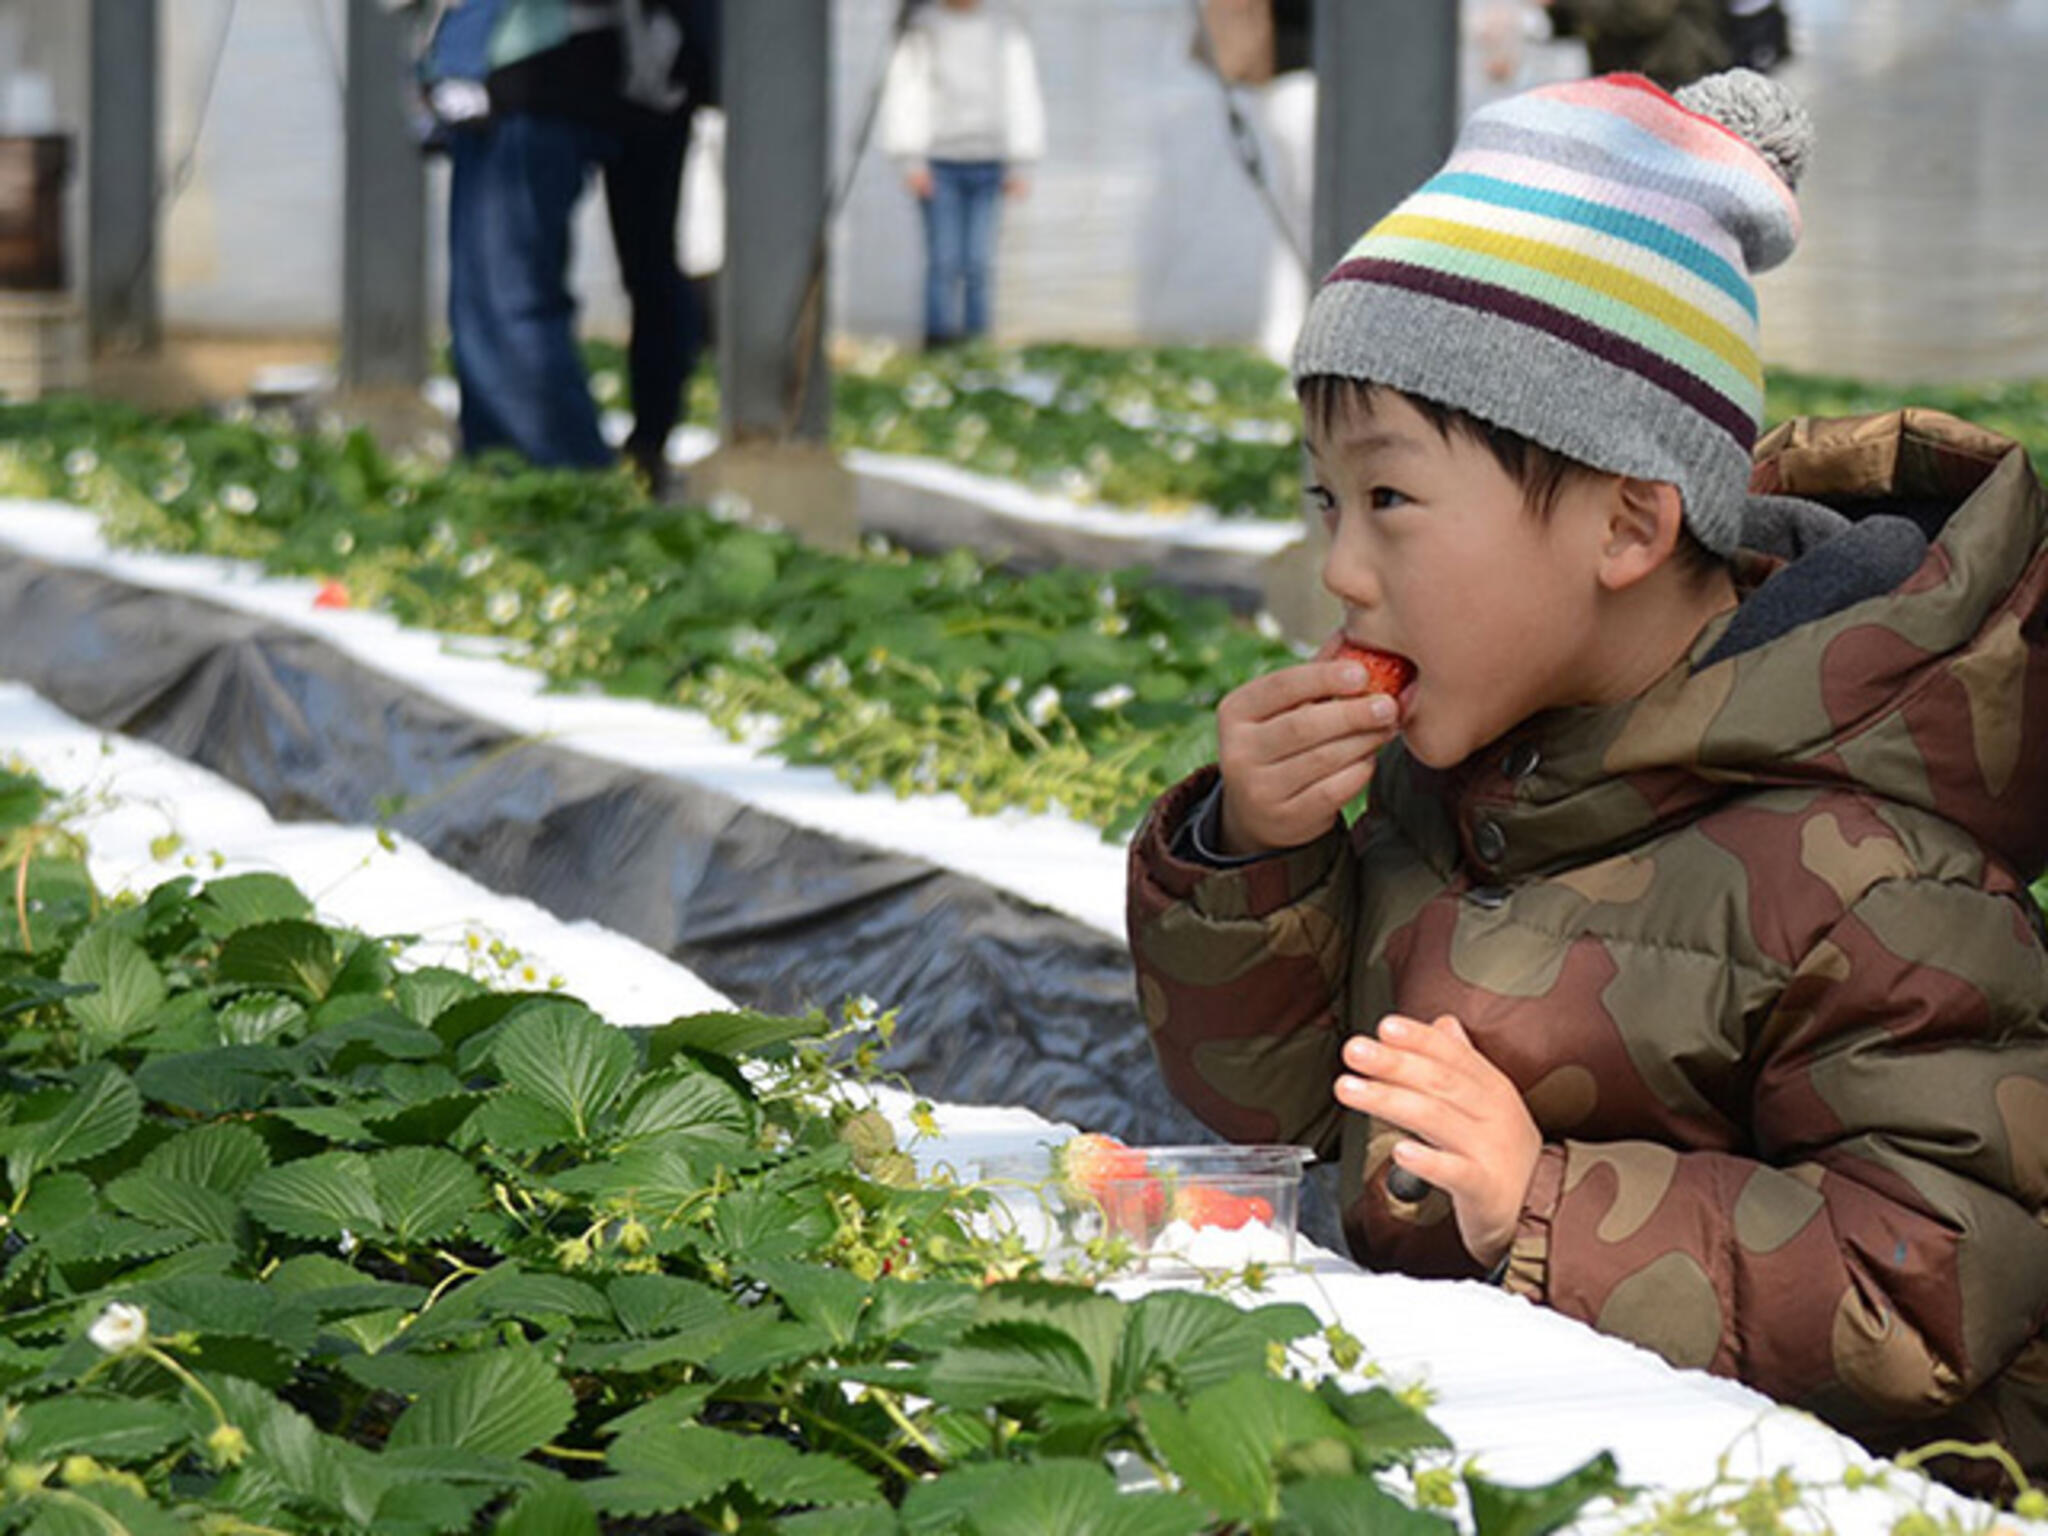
pixel 1275 693
pixel 1308 727
pixel 1435 1120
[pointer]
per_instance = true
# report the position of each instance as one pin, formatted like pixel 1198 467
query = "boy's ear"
pixel 1644 519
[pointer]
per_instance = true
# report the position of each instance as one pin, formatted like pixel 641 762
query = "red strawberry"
pixel 332 595
pixel 1385 672
pixel 1089 1163
pixel 1109 1174
pixel 1203 1205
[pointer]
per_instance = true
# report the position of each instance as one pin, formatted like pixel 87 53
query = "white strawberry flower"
pixel 829 675
pixel 750 644
pixel 120 1327
pixel 1040 708
pixel 1115 696
pixel 239 499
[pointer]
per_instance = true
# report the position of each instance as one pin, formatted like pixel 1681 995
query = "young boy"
pixel 1683 974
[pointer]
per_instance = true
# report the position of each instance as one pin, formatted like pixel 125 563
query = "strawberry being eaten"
pixel 1385 671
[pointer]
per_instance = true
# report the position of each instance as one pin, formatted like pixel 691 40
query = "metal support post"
pixel 1386 114
pixel 775 393
pixel 122 300
pixel 1386 110
pixel 771 357
pixel 384 203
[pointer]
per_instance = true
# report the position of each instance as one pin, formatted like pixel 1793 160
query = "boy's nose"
pixel 1348 575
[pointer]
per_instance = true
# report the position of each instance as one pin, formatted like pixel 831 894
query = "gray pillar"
pixel 122 300
pixel 771 360
pixel 384 210
pixel 1386 110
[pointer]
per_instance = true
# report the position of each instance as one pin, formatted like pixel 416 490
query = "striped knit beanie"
pixel 1579 273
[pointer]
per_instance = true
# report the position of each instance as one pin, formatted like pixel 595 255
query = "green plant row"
pixel 298 1238
pixel 1081 691
pixel 1162 429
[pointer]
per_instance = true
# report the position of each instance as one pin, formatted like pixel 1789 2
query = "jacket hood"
pixel 1892 640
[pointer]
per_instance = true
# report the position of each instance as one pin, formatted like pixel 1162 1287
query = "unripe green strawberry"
pixel 870 1135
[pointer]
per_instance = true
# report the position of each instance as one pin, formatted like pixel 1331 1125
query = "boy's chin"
pixel 1435 748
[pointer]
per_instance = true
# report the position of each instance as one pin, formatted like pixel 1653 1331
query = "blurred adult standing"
pixel 525 96
pixel 671 56
pixel 963 115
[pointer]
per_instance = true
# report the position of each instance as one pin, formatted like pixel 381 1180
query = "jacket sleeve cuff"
pixel 1528 1261
pixel 1166 852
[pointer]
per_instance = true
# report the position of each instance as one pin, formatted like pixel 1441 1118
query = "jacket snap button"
pixel 1488 896
pixel 1522 760
pixel 1489 841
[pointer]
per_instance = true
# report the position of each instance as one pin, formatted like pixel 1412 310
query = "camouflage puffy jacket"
pixel 1757 946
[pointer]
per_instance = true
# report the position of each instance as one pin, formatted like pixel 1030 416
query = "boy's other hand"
pixel 1474 1136
pixel 919 179
pixel 1295 747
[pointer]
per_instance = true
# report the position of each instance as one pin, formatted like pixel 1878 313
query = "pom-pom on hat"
pixel 1579 273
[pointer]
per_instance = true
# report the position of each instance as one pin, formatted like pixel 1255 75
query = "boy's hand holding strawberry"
pixel 1474 1137
pixel 1298 744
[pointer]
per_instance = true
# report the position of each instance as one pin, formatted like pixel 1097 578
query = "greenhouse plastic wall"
pixel 1919 262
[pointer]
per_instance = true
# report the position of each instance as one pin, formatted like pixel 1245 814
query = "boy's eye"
pixel 1321 503
pixel 1381 497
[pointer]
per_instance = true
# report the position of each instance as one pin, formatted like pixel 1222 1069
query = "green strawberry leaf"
pixel 551 1507
pixel 1012 1362
pixel 282 955
pixel 318 1197
pixel 1501 1510
pixel 425 1193
pixel 98 1112
pixel 1055 1497
pixel 242 901
pixel 508 1402
pixel 562 1055
pixel 1354 1506
pixel 129 988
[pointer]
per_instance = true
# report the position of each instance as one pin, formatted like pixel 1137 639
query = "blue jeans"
pixel 959 239
pixel 514 184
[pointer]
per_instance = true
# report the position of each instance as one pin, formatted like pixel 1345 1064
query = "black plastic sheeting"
pixel 1002 1001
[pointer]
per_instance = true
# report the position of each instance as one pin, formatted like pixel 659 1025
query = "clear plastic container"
pixel 1187 1207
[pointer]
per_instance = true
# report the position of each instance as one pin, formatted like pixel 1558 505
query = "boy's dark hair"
pixel 1542 473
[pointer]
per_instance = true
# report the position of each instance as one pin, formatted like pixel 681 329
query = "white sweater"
pixel 963 85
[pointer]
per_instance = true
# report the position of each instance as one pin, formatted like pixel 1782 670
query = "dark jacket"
pixel 1757 947
pixel 1674 42
pixel 603 61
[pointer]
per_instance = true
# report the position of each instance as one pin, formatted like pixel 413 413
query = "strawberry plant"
pixel 298 1238
pixel 1080 690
